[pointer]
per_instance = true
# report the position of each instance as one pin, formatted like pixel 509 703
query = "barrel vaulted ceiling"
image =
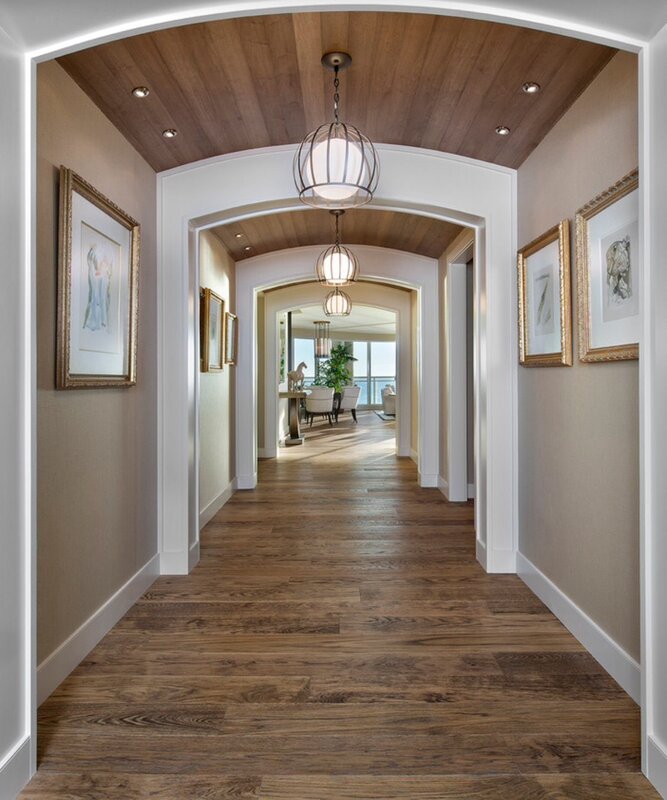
pixel 422 80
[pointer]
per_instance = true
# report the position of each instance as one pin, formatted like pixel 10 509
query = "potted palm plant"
pixel 335 372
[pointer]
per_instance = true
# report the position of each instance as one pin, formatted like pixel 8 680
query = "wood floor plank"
pixel 339 641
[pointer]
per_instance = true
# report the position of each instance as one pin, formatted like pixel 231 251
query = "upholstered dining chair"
pixel 349 401
pixel 320 403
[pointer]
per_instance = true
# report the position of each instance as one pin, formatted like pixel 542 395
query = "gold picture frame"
pixel 231 338
pixel 211 323
pixel 98 289
pixel 607 293
pixel 545 332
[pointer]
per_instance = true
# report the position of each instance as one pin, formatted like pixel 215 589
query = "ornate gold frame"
pixel 587 353
pixel 229 316
pixel 206 295
pixel 71 182
pixel 561 234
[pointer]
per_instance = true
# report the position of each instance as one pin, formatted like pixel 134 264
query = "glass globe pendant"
pixel 337 265
pixel 337 304
pixel 336 166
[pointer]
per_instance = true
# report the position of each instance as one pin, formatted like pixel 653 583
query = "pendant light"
pixel 337 265
pixel 322 339
pixel 337 304
pixel 336 166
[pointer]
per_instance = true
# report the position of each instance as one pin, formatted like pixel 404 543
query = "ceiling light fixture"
pixel 530 87
pixel 141 91
pixel 238 236
pixel 170 133
pixel 247 248
pixel 337 304
pixel 322 338
pixel 503 130
pixel 337 265
pixel 336 166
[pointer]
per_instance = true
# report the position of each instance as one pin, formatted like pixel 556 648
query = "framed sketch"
pixel 231 338
pixel 545 316
pixel 211 318
pixel 98 265
pixel 609 273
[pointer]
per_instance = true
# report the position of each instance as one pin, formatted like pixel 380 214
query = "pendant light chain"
pixel 336 96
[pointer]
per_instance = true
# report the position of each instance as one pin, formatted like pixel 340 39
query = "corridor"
pixel 338 641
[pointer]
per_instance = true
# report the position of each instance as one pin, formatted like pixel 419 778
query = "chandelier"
pixel 337 304
pixel 322 339
pixel 337 265
pixel 336 166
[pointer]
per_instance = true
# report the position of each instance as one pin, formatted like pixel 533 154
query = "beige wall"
pixel 217 444
pixel 96 449
pixel 578 426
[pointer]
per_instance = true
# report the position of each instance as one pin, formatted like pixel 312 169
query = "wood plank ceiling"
pixel 416 79
pixel 410 232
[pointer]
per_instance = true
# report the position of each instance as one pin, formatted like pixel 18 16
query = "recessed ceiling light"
pixel 503 130
pixel 238 236
pixel 170 133
pixel 530 87
pixel 247 248
pixel 141 91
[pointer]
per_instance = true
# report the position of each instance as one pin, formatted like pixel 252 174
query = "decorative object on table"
pixel 335 372
pixel 211 315
pixel 337 265
pixel 320 402
pixel 98 274
pixel 296 377
pixel 349 401
pixel 609 273
pixel 322 338
pixel 337 304
pixel 336 166
pixel 545 316
pixel 231 338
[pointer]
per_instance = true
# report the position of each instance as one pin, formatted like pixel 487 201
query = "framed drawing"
pixel 98 266
pixel 231 338
pixel 545 316
pixel 608 273
pixel 211 317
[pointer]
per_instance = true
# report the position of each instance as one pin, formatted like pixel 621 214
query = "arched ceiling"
pixel 422 80
pixel 410 232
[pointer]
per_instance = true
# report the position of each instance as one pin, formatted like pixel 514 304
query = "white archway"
pixel 379 264
pixel 473 193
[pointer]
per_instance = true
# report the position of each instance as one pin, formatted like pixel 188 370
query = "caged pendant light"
pixel 337 265
pixel 337 304
pixel 336 166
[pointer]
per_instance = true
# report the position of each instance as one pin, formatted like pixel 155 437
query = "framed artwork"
pixel 231 338
pixel 545 315
pixel 98 266
pixel 609 273
pixel 211 318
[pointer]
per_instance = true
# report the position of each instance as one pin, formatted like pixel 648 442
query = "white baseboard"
pixel 427 481
pixel 443 486
pixel 216 504
pixel 15 769
pixel 619 664
pixel 414 455
pixel 246 481
pixel 471 491
pixel 404 452
pixel 56 667
pixel 177 563
pixel 656 765
pixel 480 552
pixel 193 556
pixel 267 452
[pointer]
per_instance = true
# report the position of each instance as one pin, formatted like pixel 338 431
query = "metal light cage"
pixel 336 166
pixel 337 266
pixel 322 339
pixel 337 304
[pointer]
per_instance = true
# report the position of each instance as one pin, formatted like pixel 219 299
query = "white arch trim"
pixel 441 185
pixel 377 264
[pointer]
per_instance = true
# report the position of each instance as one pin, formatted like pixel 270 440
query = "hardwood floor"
pixel 338 641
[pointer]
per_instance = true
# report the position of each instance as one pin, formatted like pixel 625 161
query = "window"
pixel 304 350
pixel 374 368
